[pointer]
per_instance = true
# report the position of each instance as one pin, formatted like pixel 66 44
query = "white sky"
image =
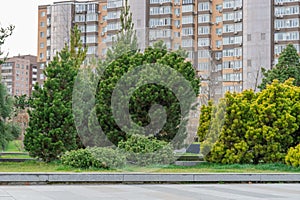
pixel 24 15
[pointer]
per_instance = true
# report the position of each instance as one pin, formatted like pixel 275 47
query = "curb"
pixel 79 178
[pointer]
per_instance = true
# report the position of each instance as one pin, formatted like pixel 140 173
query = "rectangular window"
pixel 204 18
pixel 204 6
pixel 203 30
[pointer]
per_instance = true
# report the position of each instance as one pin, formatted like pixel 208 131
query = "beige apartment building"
pixel 19 74
pixel 228 41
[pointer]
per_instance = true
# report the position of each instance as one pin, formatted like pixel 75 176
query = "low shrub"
pixel 108 157
pixel 293 156
pixel 95 157
pixel 81 158
pixel 142 150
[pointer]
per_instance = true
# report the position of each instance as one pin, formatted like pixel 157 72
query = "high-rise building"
pixel 19 74
pixel 228 41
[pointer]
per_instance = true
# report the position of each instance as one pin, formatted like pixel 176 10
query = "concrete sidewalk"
pixel 52 178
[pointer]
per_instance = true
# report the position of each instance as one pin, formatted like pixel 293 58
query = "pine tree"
pixel 288 67
pixel 126 41
pixel 51 129
pixel 144 97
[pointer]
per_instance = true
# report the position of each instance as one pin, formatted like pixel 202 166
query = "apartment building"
pixel 19 74
pixel 228 41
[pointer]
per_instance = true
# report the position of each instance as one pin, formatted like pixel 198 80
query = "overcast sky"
pixel 24 15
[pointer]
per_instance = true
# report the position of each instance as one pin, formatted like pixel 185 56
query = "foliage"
pixel 94 158
pixel 108 157
pixel 144 97
pixel 231 146
pixel 204 121
pixel 293 156
pixel 51 129
pixel 81 158
pixel 142 150
pixel 126 42
pixel 4 33
pixel 8 130
pixel 21 102
pixel 259 128
pixel 288 67
pixel 275 125
pixel 209 130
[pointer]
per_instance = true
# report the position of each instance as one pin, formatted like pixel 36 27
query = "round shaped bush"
pixel 108 157
pixel 141 150
pixel 81 158
pixel 293 156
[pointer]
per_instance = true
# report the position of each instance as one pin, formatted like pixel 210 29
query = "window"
pixel 41 76
pixel 43 14
pixel 263 36
pixel 249 63
pixel 204 6
pixel 203 54
pixel 42 24
pixel 287 36
pixel 218 43
pixel 177 11
pixel 219 7
pixel 204 66
pixel 91 28
pixel 203 42
pixel 42 65
pixel 41 55
pixel 187 31
pixel 187 20
pixel 187 43
pixel 248 37
pixel 42 34
pixel 79 18
pixel 232 40
pixel 204 18
pixel 219 31
pixel 187 8
pixel 203 30
pixel 219 19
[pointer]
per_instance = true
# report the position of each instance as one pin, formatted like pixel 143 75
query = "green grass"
pixel 34 166
pixel 15 156
pixel 14 146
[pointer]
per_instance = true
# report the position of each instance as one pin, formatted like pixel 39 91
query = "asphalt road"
pixel 152 192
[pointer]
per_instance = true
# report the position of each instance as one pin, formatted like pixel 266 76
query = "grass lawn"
pixel 14 146
pixel 33 166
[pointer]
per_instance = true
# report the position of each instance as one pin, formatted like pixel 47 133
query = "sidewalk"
pixel 52 178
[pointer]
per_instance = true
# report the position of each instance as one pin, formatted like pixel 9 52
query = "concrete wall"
pixel 61 24
pixel 138 9
pixel 257 39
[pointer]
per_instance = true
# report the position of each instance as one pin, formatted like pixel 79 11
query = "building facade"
pixel 19 74
pixel 228 41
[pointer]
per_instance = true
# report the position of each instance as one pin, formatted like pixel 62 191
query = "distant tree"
pixel 51 129
pixel 126 39
pixel 288 67
pixel 4 33
pixel 8 131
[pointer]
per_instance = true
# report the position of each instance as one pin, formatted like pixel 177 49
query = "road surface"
pixel 153 192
